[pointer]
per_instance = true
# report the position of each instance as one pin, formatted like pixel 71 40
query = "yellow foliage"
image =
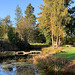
pixel 58 50
pixel 49 50
pixel 46 50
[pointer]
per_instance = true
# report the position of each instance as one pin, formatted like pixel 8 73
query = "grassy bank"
pixel 38 46
pixel 60 61
pixel 67 53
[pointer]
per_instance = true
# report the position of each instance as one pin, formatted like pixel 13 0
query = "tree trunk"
pixel 59 41
pixel 66 39
pixel 52 40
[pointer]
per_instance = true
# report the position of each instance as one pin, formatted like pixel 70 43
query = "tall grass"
pixel 49 63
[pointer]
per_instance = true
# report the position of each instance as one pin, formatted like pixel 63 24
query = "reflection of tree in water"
pixel 5 69
pixel 21 67
pixel 8 69
pixel 25 70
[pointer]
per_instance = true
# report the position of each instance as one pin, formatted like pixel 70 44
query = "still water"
pixel 17 66
pixel 21 65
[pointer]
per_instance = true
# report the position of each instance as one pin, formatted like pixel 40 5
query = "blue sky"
pixel 7 7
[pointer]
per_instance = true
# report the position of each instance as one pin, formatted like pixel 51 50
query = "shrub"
pixel 16 40
pixel 49 50
pixel 49 63
pixel 46 50
pixel 58 50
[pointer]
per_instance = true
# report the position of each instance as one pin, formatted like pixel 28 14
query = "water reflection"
pixel 25 70
pixel 7 71
pixel 16 67
pixel 21 66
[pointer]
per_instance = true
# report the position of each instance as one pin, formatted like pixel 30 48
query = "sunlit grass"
pixel 68 53
pixel 38 44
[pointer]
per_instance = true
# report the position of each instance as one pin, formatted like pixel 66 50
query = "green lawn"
pixel 38 44
pixel 68 53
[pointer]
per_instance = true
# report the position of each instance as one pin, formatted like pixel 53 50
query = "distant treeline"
pixel 56 25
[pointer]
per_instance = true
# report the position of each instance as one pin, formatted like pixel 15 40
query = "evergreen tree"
pixel 29 14
pixel 70 28
pixel 18 13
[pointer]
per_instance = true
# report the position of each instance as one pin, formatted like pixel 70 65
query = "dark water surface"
pixel 21 65
pixel 17 65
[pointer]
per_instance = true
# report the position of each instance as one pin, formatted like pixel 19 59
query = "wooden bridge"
pixel 33 53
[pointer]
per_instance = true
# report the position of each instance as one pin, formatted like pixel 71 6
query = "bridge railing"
pixel 28 53
pixel 33 53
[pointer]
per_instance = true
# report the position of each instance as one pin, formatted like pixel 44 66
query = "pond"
pixel 21 65
pixel 17 65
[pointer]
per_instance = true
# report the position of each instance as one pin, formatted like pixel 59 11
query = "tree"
pixel 1 30
pixel 24 28
pixel 35 36
pixel 44 23
pixel 18 13
pixel 4 26
pixel 11 34
pixel 13 37
pixel 68 2
pixel 70 28
pixel 29 15
pixel 32 19
pixel 54 16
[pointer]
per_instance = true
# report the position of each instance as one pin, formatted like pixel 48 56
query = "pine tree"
pixel 18 13
pixel 70 28
pixel 29 14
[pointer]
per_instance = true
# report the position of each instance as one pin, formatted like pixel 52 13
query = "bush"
pixel 15 40
pixel 58 50
pixel 49 63
pixel 44 52
pixel 7 46
pixel 36 37
pixel 49 50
